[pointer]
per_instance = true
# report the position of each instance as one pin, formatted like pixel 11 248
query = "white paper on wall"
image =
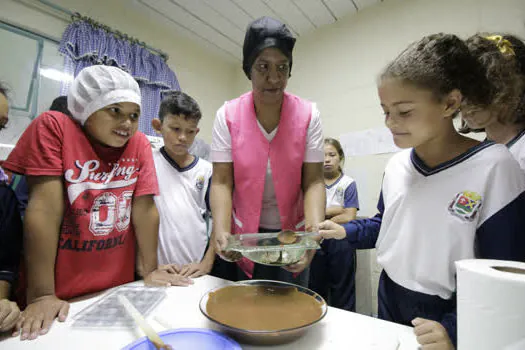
pixel 366 142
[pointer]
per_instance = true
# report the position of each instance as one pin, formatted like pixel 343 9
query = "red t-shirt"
pixel 96 248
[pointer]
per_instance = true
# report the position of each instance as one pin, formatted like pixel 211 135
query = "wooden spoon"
pixel 143 324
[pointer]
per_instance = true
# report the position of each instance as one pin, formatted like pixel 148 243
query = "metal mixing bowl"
pixel 265 337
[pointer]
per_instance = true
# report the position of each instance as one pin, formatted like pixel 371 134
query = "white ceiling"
pixel 220 24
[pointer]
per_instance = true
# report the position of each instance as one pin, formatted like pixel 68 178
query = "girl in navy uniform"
pixel 332 272
pixel 444 198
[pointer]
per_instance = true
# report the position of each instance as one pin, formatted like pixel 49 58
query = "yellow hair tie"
pixel 504 46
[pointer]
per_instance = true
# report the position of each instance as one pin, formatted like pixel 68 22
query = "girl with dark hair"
pixel 445 198
pixel 502 58
pixel 332 272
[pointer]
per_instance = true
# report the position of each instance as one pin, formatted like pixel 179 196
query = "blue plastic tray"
pixel 189 339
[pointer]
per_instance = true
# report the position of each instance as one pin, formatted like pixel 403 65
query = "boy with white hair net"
pixel 92 181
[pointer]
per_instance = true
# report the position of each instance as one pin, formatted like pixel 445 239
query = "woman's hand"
pixel 220 239
pixel 302 264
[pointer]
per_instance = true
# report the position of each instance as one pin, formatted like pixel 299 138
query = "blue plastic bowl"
pixel 189 339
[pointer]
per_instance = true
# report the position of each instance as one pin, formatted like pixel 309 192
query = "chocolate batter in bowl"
pixel 263 312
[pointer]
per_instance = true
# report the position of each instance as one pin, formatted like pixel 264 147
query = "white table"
pixel 338 330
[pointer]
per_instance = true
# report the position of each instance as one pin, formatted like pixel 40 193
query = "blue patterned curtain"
pixel 84 44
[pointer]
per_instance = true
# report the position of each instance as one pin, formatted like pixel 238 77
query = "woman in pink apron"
pixel 267 154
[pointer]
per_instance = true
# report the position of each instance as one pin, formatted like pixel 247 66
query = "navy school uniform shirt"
pixel 342 193
pixel 469 207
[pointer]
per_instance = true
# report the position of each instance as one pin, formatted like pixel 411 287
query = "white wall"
pixel 337 67
pixel 205 76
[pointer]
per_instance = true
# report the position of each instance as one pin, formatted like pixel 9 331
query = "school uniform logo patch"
pixel 340 193
pixel 199 184
pixel 465 205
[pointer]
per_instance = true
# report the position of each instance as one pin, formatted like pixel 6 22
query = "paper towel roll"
pixel 491 305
